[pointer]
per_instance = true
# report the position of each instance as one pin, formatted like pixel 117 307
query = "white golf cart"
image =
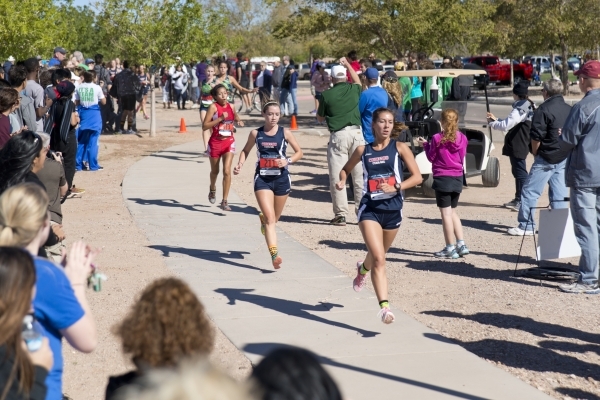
pixel 472 116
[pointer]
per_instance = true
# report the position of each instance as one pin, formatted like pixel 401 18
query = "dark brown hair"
pixel 17 277
pixel 88 77
pixel 8 98
pixel 167 323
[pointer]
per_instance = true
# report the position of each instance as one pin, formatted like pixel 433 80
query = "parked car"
pixel 303 71
pixel 574 63
pixel 542 61
pixel 388 68
pixel 499 72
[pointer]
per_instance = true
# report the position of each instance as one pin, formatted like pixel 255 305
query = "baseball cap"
pixel 11 59
pixel 390 76
pixel 89 61
pixel 590 69
pixel 60 50
pixel 338 71
pixel 371 73
pixel 321 64
pixel 65 88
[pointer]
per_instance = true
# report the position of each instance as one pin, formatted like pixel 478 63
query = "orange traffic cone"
pixel 182 128
pixel 294 124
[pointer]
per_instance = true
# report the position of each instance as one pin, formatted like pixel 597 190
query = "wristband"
pixel 289 160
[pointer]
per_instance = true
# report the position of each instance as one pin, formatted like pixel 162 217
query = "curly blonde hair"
pixel 167 323
pixel 394 89
pixel 449 125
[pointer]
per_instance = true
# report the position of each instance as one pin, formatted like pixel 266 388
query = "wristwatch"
pixel 289 160
pixel 397 186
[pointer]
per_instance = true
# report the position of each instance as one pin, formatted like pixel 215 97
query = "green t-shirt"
pixel 406 85
pixel 339 106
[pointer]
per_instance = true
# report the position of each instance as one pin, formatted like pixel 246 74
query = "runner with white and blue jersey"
pixel 380 211
pixel 272 182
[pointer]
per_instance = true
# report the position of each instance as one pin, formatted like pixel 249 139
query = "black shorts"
pixel 128 102
pixel 280 186
pixel 446 199
pixel 389 220
pixel 245 84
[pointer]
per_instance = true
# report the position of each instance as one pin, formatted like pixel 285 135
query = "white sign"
pixel 556 238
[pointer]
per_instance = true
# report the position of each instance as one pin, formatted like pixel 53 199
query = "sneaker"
pixel 212 196
pixel 118 132
pixel 195 106
pixel 516 231
pixel 77 190
pixel 224 206
pixel 516 207
pixel 313 112
pixel 130 131
pixel 386 315
pixel 511 203
pixel 248 111
pixel 578 287
pixel 340 220
pixel 361 280
pixel 261 216
pixel 447 253
pixel 462 250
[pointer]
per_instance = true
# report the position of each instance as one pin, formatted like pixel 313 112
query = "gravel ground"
pixel 546 338
pixel 101 219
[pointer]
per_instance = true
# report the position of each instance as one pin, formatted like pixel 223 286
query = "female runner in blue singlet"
pixel 272 183
pixel 380 212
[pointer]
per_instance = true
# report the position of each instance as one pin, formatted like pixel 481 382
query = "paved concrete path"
pixel 308 303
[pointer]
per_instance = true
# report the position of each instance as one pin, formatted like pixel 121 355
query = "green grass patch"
pixel 546 76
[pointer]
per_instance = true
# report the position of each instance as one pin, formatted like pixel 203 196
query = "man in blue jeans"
pixel 582 130
pixel 550 157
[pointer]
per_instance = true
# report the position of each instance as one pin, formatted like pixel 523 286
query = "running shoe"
pixel 516 231
pixel 579 287
pixel 277 262
pixel 261 216
pixel 212 196
pixel 462 250
pixel 77 190
pixel 386 315
pixel 361 280
pixel 339 220
pixel 224 206
pixel 313 112
pixel 447 253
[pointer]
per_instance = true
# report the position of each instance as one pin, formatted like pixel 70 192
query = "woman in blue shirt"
pixel 60 304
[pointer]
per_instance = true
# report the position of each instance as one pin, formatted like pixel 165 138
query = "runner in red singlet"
pixel 220 118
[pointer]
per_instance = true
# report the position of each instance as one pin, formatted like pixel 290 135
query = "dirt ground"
pixel 549 339
pixel 102 220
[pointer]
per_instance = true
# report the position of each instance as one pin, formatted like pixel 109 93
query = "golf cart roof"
pixel 441 73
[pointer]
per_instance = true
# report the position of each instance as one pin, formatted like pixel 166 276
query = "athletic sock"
pixel 384 303
pixel 274 252
pixel 363 270
pixel 450 247
pixel 460 243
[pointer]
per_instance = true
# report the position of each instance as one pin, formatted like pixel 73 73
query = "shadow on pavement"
pixel 481 225
pixel 529 357
pixel 263 349
pixel 211 255
pixel 173 203
pixel 290 307
pixel 186 156
pixel 577 393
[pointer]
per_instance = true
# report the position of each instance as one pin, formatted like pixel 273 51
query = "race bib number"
pixel 269 166
pixel 226 128
pixel 375 190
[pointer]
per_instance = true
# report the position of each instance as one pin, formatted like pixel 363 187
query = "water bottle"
pixel 31 334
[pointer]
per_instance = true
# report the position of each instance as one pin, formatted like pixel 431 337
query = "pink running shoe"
pixel 386 315
pixel 361 280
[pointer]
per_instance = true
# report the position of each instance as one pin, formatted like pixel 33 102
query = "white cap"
pixel 338 71
pixel 11 59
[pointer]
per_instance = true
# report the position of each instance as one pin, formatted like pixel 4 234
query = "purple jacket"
pixel 446 158
pixel 201 72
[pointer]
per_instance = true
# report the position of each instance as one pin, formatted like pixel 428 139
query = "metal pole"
pixel 487 106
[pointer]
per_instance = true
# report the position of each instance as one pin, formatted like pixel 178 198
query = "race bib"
pixel 375 191
pixel 226 128
pixel 269 166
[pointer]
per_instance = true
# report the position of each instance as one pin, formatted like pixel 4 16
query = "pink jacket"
pixel 447 158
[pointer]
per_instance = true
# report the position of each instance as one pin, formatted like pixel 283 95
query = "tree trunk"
pixel 552 70
pixel 152 111
pixel 565 66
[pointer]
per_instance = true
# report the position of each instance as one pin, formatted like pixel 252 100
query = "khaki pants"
pixel 54 253
pixel 341 146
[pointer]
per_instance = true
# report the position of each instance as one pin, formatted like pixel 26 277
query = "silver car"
pixel 303 71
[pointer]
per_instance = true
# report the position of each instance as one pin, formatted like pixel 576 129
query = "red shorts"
pixel 218 147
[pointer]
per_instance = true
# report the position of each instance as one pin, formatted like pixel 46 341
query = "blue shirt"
pixel 56 308
pixel 370 100
pixel 53 62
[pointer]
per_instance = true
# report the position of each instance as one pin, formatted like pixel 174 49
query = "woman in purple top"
pixel 446 152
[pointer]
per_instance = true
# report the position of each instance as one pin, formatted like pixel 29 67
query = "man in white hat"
pixel 339 108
